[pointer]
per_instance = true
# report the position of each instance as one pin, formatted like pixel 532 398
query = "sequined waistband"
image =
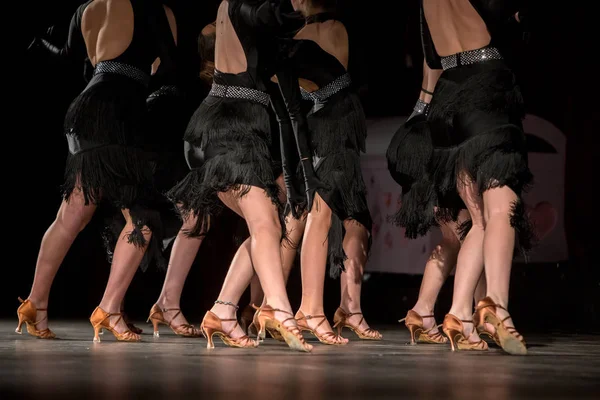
pixel 420 108
pixel 113 67
pixel 239 92
pixel 471 57
pixel 170 90
pixel 322 94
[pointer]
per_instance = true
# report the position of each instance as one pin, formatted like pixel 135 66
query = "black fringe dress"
pixel 338 132
pixel 474 126
pixel 105 125
pixel 228 142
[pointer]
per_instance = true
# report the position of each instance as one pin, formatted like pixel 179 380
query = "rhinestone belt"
pixel 322 94
pixel 166 90
pixel 239 92
pixel 113 67
pixel 471 57
pixel 420 108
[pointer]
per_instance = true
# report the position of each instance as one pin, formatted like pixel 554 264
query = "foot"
pixel 175 318
pixel 320 325
pixel 358 320
pixel 292 325
pixel 504 316
pixel 228 312
pixel 120 326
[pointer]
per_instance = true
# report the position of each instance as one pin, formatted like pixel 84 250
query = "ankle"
pixel 501 300
pixel 224 310
pixel 462 313
pixel 166 301
pixel 350 306
pixel 110 307
pixel 38 302
pixel 423 309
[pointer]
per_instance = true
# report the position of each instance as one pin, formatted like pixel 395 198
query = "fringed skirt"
pixel 473 132
pixel 168 113
pixel 338 134
pixel 105 126
pixel 228 148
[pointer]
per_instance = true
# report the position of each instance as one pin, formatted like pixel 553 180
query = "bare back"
pixel 455 26
pixel 331 36
pixel 229 53
pixel 107 27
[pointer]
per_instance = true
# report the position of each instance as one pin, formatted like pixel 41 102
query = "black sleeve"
pixel 75 48
pixel 262 15
pixel 290 90
pixel 432 58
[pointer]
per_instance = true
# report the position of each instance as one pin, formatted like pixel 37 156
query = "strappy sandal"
pixel 291 333
pixel 326 338
pixel 506 337
pixel 157 317
pixel 418 333
pixel 27 313
pixel 453 328
pixel 340 321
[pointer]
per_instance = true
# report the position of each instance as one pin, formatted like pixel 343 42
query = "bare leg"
pixel 73 215
pixel 441 262
pixel 238 277
pixel 498 246
pixel 183 254
pixel 265 239
pixel 313 262
pixel 355 246
pixel 126 260
pixel 470 260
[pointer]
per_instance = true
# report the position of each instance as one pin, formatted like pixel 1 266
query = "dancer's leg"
pixel 73 215
pixel 126 260
pixel 356 241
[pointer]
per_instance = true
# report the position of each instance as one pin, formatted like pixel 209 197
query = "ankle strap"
pixel 227 303
pixel 426 91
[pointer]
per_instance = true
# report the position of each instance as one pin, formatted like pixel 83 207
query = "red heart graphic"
pixel 544 218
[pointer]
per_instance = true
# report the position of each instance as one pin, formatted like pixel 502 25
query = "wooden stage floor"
pixel 559 366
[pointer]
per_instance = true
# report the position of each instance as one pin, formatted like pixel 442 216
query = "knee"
pixel 267 227
pixel 320 218
pixel 73 217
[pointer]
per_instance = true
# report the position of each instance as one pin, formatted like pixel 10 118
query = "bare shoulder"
pixel 337 31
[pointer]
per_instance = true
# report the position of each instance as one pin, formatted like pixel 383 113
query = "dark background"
pixel 386 62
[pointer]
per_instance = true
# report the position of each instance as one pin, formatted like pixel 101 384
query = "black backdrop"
pixel 386 66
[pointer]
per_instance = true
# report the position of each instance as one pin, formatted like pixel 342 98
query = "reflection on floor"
pixel 170 367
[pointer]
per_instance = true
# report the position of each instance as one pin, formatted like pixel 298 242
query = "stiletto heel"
pixel 418 333
pixel 27 314
pixel 507 337
pixel 291 334
pixel 262 335
pixel 100 319
pixel 208 334
pixel 454 329
pixel 340 321
pixel 97 330
pixel 157 317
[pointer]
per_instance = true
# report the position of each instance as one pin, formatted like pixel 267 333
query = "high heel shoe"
pixel 157 317
pixel 291 334
pixel 418 333
pixel 325 338
pixel 100 319
pixel 261 336
pixel 27 314
pixel 213 325
pixel 454 329
pixel 247 320
pixel 506 337
pixel 340 321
